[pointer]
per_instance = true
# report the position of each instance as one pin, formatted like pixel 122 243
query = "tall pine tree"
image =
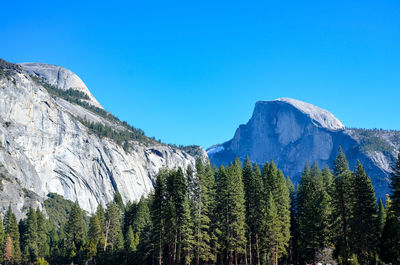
pixel 11 229
pixel 273 233
pixel 311 215
pixel 201 212
pixel 275 183
pixel 342 202
pixel 395 187
pixel 75 234
pixel 158 214
pixel 30 236
pixel 364 226
pixel 254 202
pixel 231 212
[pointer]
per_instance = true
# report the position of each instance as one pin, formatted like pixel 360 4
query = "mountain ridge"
pixel 52 140
pixel 292 135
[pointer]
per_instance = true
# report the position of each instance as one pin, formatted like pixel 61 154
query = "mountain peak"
pixel 59 77
pixel 320 117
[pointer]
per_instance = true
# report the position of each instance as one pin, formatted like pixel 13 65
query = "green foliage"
pixel 193 150
pixel 203 202
pixel 94 237
pixel 371 140
pixel 75 233
pixel 314 212
pixel 30 237
pixel 272 229
pixel 121 137
pixel 395 186
pixel 2 240
pixel 390 239
pixel 41 261
pixel 57 208
pixel 7 69
pixel 231 210
pixel 11 229
pixel 255 210
pixel 381 217
pixel 236 215
pixel 113 229
pixel 131 241
pixel 375 144
pixel 342 200
pixel 364 223
pixel 78 97
pixel 275 183
pixel 70 95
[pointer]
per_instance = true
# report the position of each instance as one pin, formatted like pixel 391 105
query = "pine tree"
pixel 142 217
pixel 113 231
pixel 41 261
pixel 258 212
pixel 187 239
pixel 248 192
pixel 395 187
pixel 273 234
pixel 2 240
pixel 308 218
pixel 102 216
pixel 119 202
pixel 381 218
pixel 143 227
pixel 129 215
pixel 254 198
pixel 8 250
pixel 232 211
pixel 342 201
pixel 214 231
pixel 275 183
pixel 30 237
pixel 94 231
pixel 94 236
pixel 179 210
pixel 11 229
pixel 364 228
pixel 131 243
pixel 390 240
pixel 75 232
pixel 197 208
pixel 158 209
pixel 43 227
pixel 202 204
pixel 293 252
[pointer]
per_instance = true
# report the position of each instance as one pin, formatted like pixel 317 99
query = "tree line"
pixel 238 214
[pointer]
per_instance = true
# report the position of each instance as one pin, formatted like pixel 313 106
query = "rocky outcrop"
pixel 44 146
pixel 294 133
pixel 59 77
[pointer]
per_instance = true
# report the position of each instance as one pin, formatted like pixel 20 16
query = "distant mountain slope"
pixel 55 137
pixel 292 133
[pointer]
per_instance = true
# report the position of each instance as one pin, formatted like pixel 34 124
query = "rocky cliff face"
pixel 45 146
pixel 293 133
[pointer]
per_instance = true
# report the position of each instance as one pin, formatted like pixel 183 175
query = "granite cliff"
pixel 55 137
pixel 293 133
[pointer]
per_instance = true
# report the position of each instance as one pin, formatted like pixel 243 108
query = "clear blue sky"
pixel 189 72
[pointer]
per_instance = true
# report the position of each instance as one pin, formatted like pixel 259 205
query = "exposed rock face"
pixel 44 148
pixel 59 77
pixel 293 133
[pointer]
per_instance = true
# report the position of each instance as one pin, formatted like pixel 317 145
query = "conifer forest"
pixel 243 213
